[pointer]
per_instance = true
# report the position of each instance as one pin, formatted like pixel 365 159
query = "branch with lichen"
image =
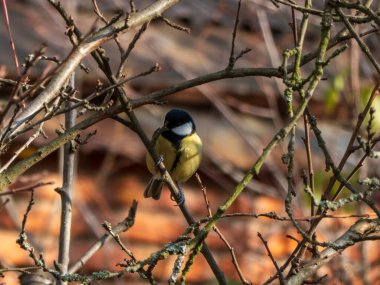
pixel 86 46
pixel 280 135
pixel 364 229
pixel 177 247
pixel 291 75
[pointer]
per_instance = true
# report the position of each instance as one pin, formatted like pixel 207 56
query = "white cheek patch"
pixel 183 130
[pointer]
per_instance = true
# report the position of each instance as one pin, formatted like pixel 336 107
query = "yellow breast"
pixel 182 167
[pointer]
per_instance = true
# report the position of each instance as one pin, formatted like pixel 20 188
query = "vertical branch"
pixel 292 86
pixel 300 41
pixel 232 59
pixel 66 191
pixel 309 160
pixel 12 43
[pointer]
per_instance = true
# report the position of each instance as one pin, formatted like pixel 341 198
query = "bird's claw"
pixel 181 197
pixel 160 159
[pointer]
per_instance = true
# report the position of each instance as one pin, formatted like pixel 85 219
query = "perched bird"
pixel 180 148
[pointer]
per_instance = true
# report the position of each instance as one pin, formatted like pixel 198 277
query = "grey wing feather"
pixel 154 187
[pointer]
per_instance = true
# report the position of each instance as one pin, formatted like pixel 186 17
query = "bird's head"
pixel 179 122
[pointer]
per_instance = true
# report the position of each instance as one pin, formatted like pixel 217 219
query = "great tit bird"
pixel 177 143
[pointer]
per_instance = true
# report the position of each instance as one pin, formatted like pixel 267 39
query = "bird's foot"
pixel 160 159
pixel 181 197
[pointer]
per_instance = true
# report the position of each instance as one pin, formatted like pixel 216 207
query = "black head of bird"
pixel 176 118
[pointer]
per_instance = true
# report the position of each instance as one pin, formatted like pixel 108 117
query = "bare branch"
pixel 279 272
pixel 89 44
pixel 123 226
pixel 361 230
pixel 66 192
pixel 13 47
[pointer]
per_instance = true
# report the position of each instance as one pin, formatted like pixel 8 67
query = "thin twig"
pixel 22 240
pixel 4 203
pixel 97 11
pixel 132 6
pixel 309 158
pixel 233 256
pixel 274 216
pixel 123 226
pixel 362 45
pixel 131 46
pixel 175 26
pixel 86 101
pixel 355 133
pixel 27 188
pixel 281 134
pixel 221 236
pixel 360 231
pixel 23 147
pixel 204 191
pixel 279 272
pixel 87 46
pixel 232 59
pixel 108 227
pixel 101 16
pixel 12 43
pixel 26 270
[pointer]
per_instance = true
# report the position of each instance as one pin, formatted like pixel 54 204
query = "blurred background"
pixel 235 118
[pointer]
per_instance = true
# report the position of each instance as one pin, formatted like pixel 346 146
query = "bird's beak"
pixel 164 127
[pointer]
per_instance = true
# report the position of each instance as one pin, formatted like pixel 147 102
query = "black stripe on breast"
pixel 176 161
pixel 176 141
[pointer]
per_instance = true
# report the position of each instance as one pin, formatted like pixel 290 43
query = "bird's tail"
pixel 154 189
